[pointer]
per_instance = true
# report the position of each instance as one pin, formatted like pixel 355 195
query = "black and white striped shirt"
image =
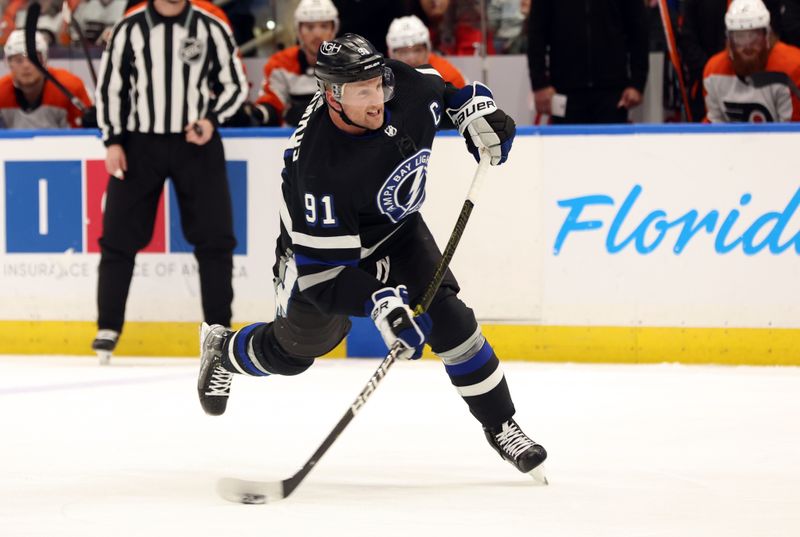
pixel 159 74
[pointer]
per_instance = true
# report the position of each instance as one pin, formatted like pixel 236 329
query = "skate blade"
pixel 539 476
pixel 249 492
pixel 104 357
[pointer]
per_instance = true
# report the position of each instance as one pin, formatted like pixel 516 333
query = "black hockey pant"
pixel 200 179
pixel 289 345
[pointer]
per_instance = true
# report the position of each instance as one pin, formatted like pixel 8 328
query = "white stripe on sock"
pixel 484 386
pixel 232 356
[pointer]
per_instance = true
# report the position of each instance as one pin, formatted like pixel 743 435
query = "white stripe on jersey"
pixel 337 242
pixel 142 108
pixel 134 78
pixel 179 33
pixel 158 81
pixel 366 252
pixel 286 218
pixel 304 282
pixel 429 71
pixel 114 88
pixel 193 94
pixel 227 77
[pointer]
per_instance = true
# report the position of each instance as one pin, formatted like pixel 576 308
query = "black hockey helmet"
pixel 349 58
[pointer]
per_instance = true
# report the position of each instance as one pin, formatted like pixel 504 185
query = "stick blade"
pixel 250 492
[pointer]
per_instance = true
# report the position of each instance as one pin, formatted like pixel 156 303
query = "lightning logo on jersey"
pixel 404 190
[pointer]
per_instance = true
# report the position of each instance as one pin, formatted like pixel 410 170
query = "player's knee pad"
pixel 275 357
pixel 307 332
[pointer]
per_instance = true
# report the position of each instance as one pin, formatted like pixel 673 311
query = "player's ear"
pixel 331 101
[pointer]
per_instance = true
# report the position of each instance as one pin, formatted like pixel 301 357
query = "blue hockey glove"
pixel 473 111
pixel 396 322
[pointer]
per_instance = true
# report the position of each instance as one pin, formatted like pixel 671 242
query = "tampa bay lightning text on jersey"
pixel 345 196
pixel 404 189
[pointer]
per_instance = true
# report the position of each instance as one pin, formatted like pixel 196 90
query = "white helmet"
pixel 746 15
pixel 316 11
pixel 16 44
pixel 407 32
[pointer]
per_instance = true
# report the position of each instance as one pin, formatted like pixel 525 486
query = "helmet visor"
pixel 741 39
pixel 377 90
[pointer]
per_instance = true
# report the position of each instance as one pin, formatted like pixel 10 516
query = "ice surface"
pixel 663 450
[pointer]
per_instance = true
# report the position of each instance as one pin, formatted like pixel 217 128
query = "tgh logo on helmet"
pixel 329 48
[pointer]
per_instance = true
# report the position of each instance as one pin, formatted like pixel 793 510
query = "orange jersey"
pixel 208 7
pixel 55 111
pixel 9 18
pixel 732 99
pixel 289 83
pixel 447 70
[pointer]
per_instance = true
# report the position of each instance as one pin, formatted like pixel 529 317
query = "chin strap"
pixel 347 119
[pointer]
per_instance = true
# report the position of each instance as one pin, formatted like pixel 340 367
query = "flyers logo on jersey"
pixel 748 112
pixel 329 48
pixel 404 190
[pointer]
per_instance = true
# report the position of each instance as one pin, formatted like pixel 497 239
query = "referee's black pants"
pixel 200 179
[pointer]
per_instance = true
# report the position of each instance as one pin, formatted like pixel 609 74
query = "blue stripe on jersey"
pixel 473 364
pixel 241 350
pixel 303 260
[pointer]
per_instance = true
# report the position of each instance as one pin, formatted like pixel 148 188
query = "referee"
pixel 169 76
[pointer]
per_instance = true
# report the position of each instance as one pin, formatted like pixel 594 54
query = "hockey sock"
pixel 255 351
pixel 238 355
pixel 479 379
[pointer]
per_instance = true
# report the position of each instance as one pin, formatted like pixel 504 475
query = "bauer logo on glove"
pixel 396 322
pixel 473 111
pixel 477 107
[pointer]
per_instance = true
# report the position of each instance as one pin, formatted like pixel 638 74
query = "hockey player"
pixel 755 78
pixel 289 81
pixel 353 243
pixel 27 99
pixel 409 41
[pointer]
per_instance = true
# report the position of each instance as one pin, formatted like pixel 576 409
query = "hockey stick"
pixel 66 12
pixel 767 78
pixel 260 492
pixel 31 21
pixel 674 55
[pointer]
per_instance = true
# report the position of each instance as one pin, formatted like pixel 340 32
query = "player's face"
pixel 363 102
pixel 749 50
pixel 434 8
pixel 23 72
pixel 312 34
pixel 413 56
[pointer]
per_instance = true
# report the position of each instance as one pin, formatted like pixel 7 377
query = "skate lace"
pixel 220 384
pixel 110 335
pixel 512 440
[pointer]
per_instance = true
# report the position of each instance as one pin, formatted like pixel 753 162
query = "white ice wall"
pixel 507 263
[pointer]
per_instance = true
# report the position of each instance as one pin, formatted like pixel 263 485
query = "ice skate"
pixel 515 447
pixel 104 343
pixel 213 381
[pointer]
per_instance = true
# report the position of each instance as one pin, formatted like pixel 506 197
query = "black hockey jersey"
pixel 346 197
